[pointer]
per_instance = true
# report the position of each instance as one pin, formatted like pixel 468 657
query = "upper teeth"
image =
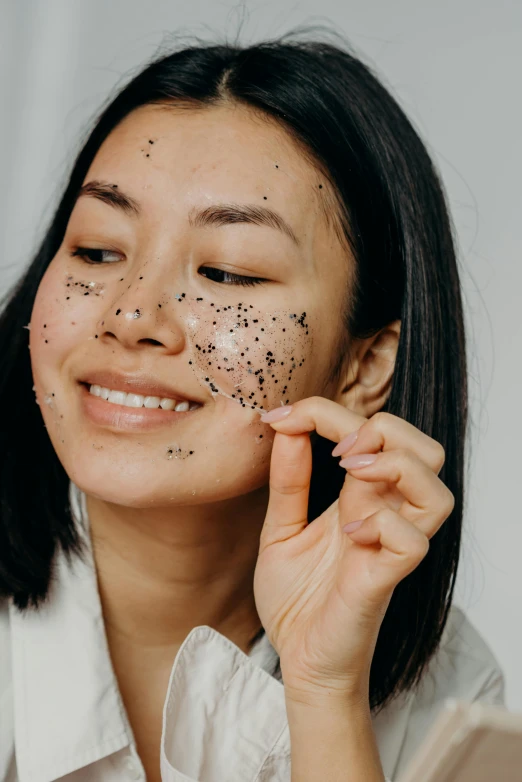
pixel 136 400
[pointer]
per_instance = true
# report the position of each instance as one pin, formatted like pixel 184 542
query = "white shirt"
pixel 62 715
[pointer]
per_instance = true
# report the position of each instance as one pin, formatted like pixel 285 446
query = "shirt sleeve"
pixel 224 716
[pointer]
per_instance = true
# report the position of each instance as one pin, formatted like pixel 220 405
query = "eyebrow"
pixel 214 215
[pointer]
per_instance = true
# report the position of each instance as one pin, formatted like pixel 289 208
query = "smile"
pixel 137 400
pixel 120 411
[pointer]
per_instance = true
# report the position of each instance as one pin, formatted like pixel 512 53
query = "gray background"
pixel 455 66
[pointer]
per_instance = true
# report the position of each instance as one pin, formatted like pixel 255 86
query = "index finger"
pixel 327 418
pixel 383 431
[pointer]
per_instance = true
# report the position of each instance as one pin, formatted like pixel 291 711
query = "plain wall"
pixel 455 68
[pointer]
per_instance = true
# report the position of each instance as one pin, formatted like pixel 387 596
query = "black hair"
pixel 395 218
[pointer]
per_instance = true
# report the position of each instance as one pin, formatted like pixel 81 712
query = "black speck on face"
pixel 84 287
pixel 251 352
pixel 176 452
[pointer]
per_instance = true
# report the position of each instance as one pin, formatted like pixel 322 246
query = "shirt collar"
pixel 68 709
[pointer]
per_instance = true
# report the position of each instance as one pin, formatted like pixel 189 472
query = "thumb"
pixel 290 474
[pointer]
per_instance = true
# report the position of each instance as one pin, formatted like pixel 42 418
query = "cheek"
pixel 66 309
pixel 256 358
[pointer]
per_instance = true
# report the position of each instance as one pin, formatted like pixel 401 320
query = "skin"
pixel 176 541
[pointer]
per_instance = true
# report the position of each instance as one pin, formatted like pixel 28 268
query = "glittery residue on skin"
pixel 175 452
pixel 50 401
pixel 246 355
pixel 133 315
pixel 84 287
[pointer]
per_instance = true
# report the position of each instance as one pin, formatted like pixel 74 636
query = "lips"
pixel 143 384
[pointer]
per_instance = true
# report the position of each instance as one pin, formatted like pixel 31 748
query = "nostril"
pixel 150 341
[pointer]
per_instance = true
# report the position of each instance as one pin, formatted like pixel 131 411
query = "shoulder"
pixel 6 691
pixel 464 667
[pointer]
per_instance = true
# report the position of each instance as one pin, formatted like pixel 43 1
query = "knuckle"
pixel 403 459
pixel 404 454
pixel 439 454
pixel 448 502
pixel 420 547
pixel 293 487
pixel 380 420
pixel 386 516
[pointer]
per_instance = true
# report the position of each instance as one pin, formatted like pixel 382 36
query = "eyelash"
pixel 231 279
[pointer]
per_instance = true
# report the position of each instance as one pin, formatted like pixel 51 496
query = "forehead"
pixel 171 154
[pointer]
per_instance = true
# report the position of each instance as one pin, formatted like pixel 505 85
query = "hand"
pixel 321 593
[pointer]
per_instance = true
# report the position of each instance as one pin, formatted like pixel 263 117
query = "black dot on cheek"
pixel 320 187
pixel 118 312
pixel 265 198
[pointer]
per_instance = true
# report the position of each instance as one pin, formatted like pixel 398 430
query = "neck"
pixel 163 571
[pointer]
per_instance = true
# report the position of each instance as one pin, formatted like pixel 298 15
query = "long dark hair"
pixel 394 217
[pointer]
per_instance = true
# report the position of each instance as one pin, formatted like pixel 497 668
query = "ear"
pixel 367 380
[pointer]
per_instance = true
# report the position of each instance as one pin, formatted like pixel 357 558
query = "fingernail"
pixel 277 414
pixel 353 525
pixel 345 444
pixel 358 460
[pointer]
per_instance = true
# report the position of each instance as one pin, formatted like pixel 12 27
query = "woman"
pixel 252 262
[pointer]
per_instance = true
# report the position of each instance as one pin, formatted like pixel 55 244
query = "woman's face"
pixel 189 283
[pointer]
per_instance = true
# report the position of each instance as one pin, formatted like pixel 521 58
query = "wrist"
pixel 353 697
pixel 329 735
pixel 354 705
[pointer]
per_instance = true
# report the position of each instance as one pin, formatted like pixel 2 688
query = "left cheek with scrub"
pixel 57 323
pixel 253 357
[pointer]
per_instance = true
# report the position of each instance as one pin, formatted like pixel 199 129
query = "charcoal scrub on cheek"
pixel 253 357
pixel 83 287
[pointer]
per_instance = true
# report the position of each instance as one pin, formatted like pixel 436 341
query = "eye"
pixel 219 275
pixel 94 255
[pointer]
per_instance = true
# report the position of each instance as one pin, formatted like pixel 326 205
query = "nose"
pixel 141 317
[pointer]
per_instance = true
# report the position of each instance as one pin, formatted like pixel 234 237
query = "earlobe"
pixel 370 373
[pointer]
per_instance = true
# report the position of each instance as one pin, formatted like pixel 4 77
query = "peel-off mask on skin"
pixel 246 355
